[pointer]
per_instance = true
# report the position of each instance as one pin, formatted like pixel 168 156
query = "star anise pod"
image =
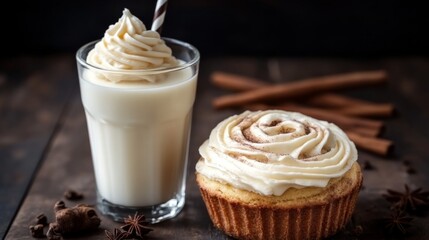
pixel 117 234
pixel 398 221
pixel 408 200
pixel 136 226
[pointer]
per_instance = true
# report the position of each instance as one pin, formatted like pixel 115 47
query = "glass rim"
pixel 160 70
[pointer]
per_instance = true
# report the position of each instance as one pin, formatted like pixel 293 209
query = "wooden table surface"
pixel 44 147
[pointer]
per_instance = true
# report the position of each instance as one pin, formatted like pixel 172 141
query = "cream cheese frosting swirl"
pixel 127 45
pixel 268 152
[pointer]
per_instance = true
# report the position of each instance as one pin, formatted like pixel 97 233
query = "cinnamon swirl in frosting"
pixel 273 162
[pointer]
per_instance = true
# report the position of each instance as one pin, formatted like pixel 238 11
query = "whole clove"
pixel 73 195
pixel 37 231
pixel 42 219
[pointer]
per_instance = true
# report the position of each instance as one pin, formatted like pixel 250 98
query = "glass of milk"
pixel 139 133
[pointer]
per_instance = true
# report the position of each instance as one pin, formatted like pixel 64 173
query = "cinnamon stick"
pixel 335 101
pixel 341 104
pixel 367 132
pixel 235 82
pixel 381 110
pixel 302 88
pixel 367 127
pixel 378 146
pixel 352 106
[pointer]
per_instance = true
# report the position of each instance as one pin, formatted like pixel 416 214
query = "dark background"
pixel 364 28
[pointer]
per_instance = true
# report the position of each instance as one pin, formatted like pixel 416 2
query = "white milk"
pixel 139 136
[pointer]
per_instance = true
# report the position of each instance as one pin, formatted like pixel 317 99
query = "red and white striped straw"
pixel 158 17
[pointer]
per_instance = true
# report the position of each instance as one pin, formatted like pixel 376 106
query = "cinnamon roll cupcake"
pixel 278 175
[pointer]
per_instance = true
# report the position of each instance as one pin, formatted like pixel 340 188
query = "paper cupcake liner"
pixel 252 222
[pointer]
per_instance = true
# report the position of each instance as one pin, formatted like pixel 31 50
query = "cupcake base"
pixel 308 213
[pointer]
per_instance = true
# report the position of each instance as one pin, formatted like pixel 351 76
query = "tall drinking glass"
pixel 139 133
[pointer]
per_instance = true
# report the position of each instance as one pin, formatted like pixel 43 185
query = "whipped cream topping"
pixel 127 45
pixel 268 152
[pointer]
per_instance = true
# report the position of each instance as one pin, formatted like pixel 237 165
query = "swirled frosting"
pixel 127 45
pixel 268 152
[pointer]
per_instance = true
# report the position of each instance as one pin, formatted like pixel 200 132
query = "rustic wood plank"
pixel 68 164
pixel 33 92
